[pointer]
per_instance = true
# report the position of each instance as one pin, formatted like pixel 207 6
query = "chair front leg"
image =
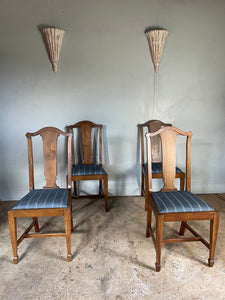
pixel 106 192
pixel 159 237
pixel 13 235
pixel 214 225
pixel 67 220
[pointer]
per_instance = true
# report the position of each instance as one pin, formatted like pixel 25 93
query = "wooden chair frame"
pixel 86 131
pixel 50 137
pixel 168 136
pixel 153 126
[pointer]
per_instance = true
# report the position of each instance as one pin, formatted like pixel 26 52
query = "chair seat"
pixel 157 168
pixel 179 201
pixel 90 169
pixel 44 198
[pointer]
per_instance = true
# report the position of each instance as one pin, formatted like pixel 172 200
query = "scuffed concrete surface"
pixel 112 259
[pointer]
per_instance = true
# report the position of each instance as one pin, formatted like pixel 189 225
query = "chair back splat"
pixel 172 205
pixel 48 201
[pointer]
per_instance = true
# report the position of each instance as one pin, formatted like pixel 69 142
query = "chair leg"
pixel 106 192
pixel 159 237
pixel 149 221
pixel 182 227
pixel 146 192
pixel 67 220
pixel 36 225
pixel 13 235
pixel 214 225
pixel 100 188
pixel 182 181
pixel 142 183
pixel 75 188
pixel 71 217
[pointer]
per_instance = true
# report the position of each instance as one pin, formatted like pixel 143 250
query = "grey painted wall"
pixel 105 74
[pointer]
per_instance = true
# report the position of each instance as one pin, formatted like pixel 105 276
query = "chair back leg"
pixel 71 214
pixel 146 192
pixel 75 188
pixel 149 222
pixel 36 225
pixel 182 228
pixel 106 192
pixel 142 183
pixel 182 181
pixel 100 187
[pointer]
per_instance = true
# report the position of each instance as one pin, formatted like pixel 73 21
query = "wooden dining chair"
pixel 48 201
pixel 169 205
pixel 89 165
pixel 152 126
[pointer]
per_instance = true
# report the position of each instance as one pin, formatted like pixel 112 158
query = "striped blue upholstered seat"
pixel 44 198
pixel 91 169
pixel 179 201
pixel 157 168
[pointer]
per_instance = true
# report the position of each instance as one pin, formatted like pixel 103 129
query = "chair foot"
pixel 15 260
pixel 210 262
pixel 157 267
pixel 69 257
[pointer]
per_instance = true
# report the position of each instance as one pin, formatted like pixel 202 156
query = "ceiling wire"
pixel 154 103
pixel 154 100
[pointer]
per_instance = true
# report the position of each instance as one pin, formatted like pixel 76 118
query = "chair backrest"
pixel 49 138
pixel 168 136
pixel 86 128
pixel 152 125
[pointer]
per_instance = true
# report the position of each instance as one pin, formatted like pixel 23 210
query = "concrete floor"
pixel 112 259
